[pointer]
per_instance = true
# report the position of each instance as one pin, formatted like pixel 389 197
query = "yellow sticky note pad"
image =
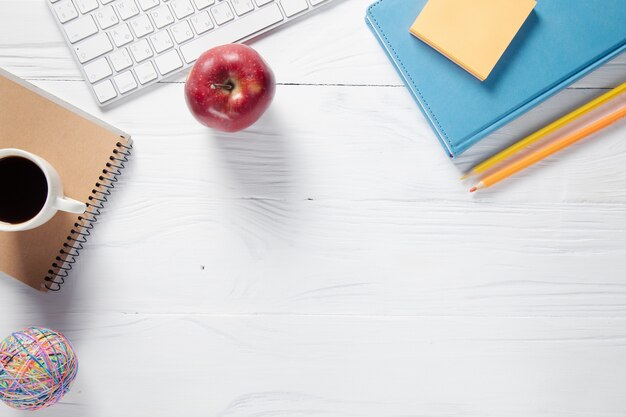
pixel 472 33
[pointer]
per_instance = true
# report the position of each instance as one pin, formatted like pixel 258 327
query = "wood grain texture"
pixel 351 366
pixel 334 47
pixel 327 262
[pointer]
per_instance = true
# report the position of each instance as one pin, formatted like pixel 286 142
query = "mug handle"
pixel 69 205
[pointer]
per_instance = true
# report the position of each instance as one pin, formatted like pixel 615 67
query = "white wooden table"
pixel 327 262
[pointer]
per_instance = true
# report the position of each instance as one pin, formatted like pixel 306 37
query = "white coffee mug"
pixel 55 199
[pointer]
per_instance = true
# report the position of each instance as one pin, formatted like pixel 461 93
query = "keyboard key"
pixel 127 9
pixel 93 47
pixel 141 50
pixel 145 72
pixel 182 8
pixel 65 11
pixel 201 22
pixel 97 70
pixel 182 32
pixel 85 6
pixel 141 26
pixel 237 30
pixel 222 13
pixel 162 16
pixel 126 44
pixel 168 62
pixel 293 7
pixel 242 6
pixel 106 17
pixel 161 41
pixel 79 29
pixel 121 35
pixel 203 4
pixel 125 82
pixel 121 59
pixel 104 91
pixel 148 4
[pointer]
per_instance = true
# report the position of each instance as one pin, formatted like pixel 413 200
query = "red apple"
pixel 229 87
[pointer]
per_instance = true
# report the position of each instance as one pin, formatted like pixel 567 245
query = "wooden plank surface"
pixel 327 262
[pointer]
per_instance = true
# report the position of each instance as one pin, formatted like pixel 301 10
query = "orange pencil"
pixel 548 150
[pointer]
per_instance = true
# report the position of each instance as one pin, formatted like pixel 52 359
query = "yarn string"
pixel 43 368
pixel 37 367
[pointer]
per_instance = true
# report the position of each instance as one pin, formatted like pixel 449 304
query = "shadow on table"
pixel 49 309
pixel 528 123
pixel 263 169
pixel 58 311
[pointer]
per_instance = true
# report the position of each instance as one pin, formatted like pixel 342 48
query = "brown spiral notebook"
pixel 87 153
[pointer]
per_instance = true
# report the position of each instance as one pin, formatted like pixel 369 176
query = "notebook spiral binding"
pixel 64 262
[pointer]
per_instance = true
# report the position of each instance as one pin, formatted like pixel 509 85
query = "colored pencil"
pixel 551 148
pixel 541 133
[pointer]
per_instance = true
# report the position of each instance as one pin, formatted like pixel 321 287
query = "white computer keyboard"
pixel 122 46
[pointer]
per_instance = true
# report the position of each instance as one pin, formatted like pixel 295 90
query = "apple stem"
pixel 222 86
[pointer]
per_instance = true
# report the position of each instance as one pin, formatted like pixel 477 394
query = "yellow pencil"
pixel 548 150
pixel 541 133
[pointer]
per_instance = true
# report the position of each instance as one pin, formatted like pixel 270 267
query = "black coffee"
pixel 23 189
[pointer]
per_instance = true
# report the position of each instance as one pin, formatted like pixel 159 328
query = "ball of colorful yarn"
pixel 37 367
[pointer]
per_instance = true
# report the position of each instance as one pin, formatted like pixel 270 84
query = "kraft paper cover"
pixel 77 145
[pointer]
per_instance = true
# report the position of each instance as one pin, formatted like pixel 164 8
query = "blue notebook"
pixel 561 41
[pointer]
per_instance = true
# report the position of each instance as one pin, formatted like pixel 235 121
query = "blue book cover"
pixel 561 41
